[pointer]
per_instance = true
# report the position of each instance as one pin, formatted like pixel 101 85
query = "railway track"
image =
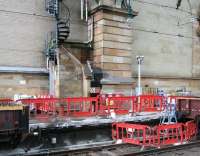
pixel 183 149
pixel 119 150
pixel 103 149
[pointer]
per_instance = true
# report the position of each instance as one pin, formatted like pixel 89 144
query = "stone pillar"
pixel 112 48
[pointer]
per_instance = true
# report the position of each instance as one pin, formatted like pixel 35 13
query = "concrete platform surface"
pixel 91 121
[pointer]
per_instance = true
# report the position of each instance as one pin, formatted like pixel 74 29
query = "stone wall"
pixel 23 84
pixel 167 38
pixel 171 85
pixel 23 27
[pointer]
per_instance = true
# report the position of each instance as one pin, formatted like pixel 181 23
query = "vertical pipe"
pixel 139 60
pixel 82 9
pixel 57 9
pixel 57 87
pixel 86 10
pixel 139 78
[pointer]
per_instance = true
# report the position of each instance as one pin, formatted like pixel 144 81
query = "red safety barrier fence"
pixel 132 133
pixel 150 103
pixel 168 134
pixel 80 107
pixel 6 101
pixel 89 106
pixel 41 104
pixel 190 130
pixel 101 105
pixel 83 106
pixel 157 136
pixel 120 105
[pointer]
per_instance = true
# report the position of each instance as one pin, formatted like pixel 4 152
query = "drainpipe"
pixel 86 10
pixel 82 3
pixel 57 72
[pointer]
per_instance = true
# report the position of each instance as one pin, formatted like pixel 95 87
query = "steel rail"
pixel 166 149
pixel 117 149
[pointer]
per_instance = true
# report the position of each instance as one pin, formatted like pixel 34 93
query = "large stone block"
pixel 98 37
pixel 116 52
pixel 112 45
pixel 117 45
pixel 108 16
pixel 122 73
pixel 115 59
pixel 117 31
pixel 97 52
pixel 117 38
pixel 116 66
pixel 108 22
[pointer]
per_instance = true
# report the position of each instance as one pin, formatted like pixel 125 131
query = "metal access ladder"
pixel 169 113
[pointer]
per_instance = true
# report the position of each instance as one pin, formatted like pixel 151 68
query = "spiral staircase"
pixel 60 11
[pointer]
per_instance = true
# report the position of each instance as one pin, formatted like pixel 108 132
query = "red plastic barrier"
pixel 79 107
pixel 133 133
pixel 190 130
pixel 41 104
pixel 102 105
pixel 169 134
pixel 6 101
pixel 121 105
pixel 157 136
pixel 150 103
